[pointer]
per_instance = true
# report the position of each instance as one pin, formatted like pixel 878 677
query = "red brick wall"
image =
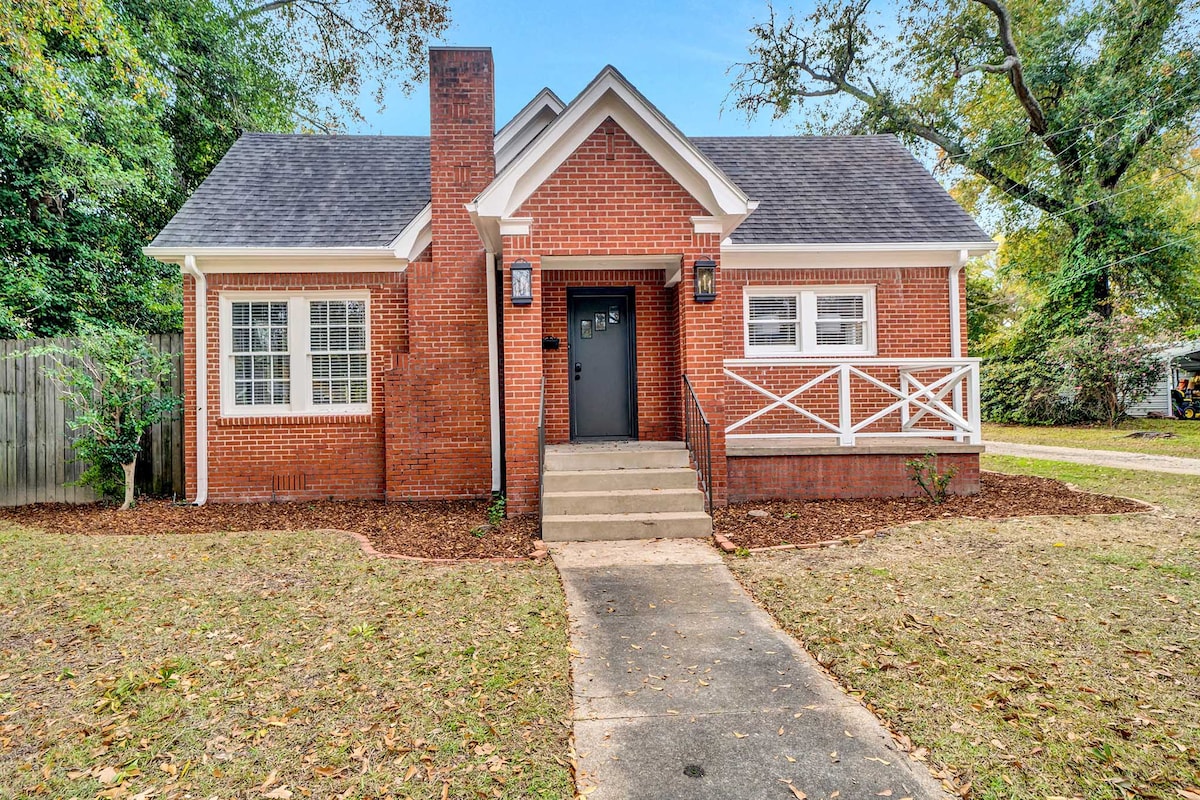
pixel 328 456
pixel 654 330
pixel 439 425
pixel 610 197
pixel 821 477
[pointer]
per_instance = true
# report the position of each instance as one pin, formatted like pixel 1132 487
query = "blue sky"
pixel 675 51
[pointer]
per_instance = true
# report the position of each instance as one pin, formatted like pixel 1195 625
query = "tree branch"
pixel 1016 74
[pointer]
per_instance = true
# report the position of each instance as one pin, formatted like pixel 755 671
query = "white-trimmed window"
pixel 818 321
pixel 295 353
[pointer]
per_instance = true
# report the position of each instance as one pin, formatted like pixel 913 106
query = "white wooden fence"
pixel 37 463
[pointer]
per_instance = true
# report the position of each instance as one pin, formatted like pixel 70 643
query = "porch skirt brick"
pixel 820 477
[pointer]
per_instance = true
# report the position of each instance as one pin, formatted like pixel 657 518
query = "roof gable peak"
pixel 609 94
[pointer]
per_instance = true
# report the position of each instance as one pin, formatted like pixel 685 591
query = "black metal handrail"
pixel 697 433
pixel 541 443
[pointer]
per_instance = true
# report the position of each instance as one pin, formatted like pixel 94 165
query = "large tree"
pixel 111 114
pixel 1073 120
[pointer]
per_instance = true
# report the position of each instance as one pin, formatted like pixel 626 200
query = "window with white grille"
pixel 337 331
pixel 261 362
pixel 841 320
pixel 819 321
pixel 294 354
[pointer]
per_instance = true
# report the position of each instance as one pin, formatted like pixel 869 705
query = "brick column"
pixel 701 339
pixel 522 381
pixel 439 419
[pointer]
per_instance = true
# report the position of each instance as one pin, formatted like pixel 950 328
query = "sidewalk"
pixel 1100 458
pixel 684 688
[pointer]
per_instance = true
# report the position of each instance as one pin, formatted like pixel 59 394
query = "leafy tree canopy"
pixel 113 112
pixel 1074 121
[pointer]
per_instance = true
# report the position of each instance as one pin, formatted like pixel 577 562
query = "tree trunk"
pixel 128 504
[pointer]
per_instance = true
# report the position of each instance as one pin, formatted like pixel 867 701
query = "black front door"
pixel 601 354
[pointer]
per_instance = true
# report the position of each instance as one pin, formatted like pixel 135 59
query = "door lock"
pixel 578 369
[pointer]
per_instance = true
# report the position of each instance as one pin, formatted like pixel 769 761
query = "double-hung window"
pixel 295 354
pixel 810 321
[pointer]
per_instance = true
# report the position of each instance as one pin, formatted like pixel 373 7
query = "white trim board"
pixel 526 126
pixel 836 256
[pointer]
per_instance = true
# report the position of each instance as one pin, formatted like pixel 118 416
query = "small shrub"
pixel 117 383
pixel 495 512
pixel 924 472
pixel 742 552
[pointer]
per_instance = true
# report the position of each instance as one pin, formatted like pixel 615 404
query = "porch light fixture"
pixel 706 280
pixel 522 283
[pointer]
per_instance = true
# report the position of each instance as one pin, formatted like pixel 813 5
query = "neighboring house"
pixel 1179 361
pixel 393 317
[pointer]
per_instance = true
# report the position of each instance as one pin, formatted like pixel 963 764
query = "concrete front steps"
pixel 621 490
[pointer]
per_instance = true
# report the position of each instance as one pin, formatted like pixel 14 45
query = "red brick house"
pixel 412 317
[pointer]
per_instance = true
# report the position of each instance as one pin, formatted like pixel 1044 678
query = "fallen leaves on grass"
pixel 1048 671
pixel 241 666
pixel 434 529
pixel 801 522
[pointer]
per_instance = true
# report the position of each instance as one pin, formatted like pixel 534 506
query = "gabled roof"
pixel 309 191
pixel 304 190
pixel 609 95
pixel 838 189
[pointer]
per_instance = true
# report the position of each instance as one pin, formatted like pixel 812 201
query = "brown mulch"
pixel 436 529
pixel 804 522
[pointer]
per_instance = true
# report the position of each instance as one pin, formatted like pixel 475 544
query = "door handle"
pixel 578 369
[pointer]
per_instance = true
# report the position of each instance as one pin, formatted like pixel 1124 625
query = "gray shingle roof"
pixel 283 190
pixel 818 189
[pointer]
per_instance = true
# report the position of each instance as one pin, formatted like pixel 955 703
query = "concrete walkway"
pixel 684 688
pixel 1100 458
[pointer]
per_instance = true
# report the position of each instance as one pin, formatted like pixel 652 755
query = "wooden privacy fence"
pixel 37 463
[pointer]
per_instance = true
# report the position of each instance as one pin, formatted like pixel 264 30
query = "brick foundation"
pixel 799 477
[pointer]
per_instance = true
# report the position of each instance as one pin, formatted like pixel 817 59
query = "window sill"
pixel 275 420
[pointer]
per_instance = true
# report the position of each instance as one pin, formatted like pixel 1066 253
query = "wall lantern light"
pixel 706 280
pixel 522 283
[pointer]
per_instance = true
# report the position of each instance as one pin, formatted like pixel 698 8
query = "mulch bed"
pixel 805 522
pixel 439 529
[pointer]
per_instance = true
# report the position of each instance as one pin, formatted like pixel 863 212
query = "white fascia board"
pixel 522 129
pixel 179 253
pixel 852 256
pixel 416 236
pixel 973 248
pixel 230 260
pixel 610 95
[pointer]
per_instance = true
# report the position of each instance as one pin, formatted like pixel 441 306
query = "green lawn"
pixel 1187 443
pixel 275 666
pixel 1036 658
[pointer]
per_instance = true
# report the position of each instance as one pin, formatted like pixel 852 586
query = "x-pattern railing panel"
pixel 927 396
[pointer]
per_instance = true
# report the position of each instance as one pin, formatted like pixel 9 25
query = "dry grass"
pixel 1044 657
pixel 1099 437
pixel 275 665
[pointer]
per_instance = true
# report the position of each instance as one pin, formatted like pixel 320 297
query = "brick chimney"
pixel 438 426
pixel 462 113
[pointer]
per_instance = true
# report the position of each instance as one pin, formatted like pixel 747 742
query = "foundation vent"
pixel 289 483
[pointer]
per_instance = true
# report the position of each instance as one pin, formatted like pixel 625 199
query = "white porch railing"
pixel 929 390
